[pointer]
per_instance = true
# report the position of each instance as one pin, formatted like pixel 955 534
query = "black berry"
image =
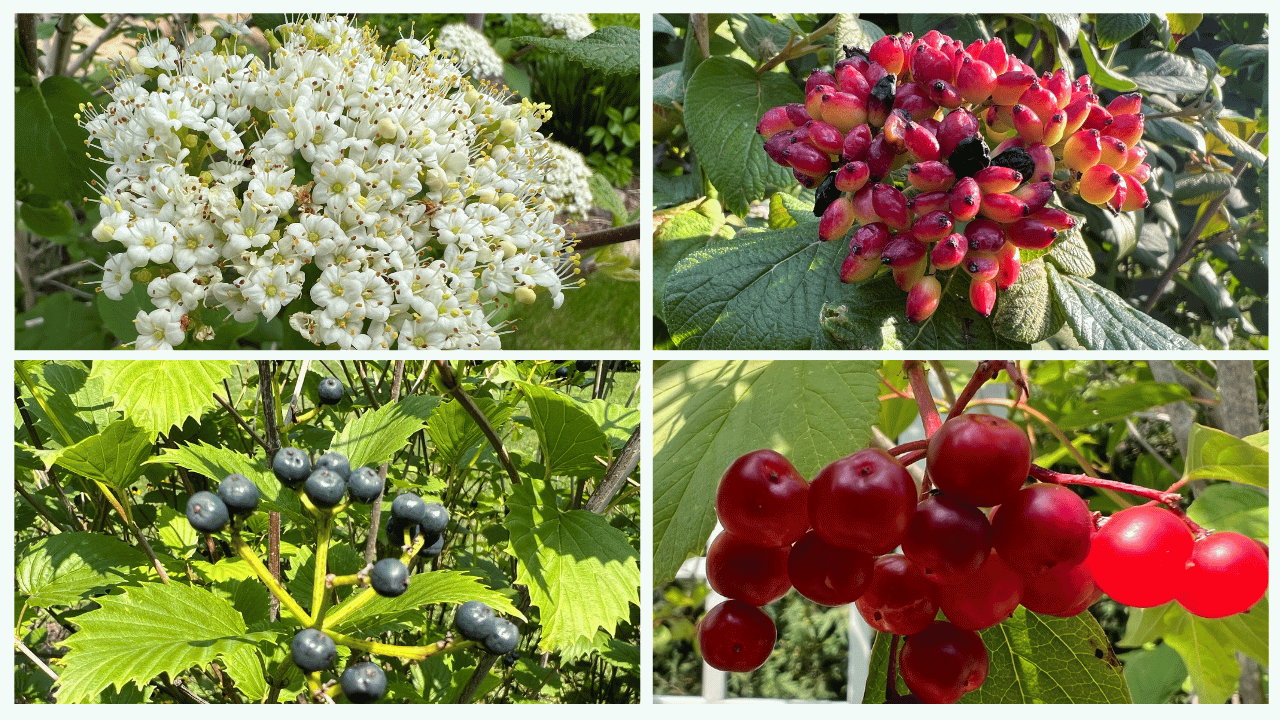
pixel 432 545
pixel 562 372
pixel 291 466
pixel 408 506
pixel 336 462
pixel 474 620
pixel 364 683
pixel 325 488
pixel 503 639
pixel 206 512
pixel 364 484
pixel 584 365
pixel 396 528
pixel 331 391
pixel 239 493
pixel 389 577
pixel 435 518
pixel 313 650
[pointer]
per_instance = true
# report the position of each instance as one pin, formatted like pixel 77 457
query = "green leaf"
pixel 616 421
pixel 45 216
pixel 1115 28
pixel 611 50
pixel 570 439
pixel 1109 405
pixel 706 414
pixel 1070 254
pixel 582 573
pixel 1239 147
pixel 146 631
pixel 1102 320
pixel 606 198
pixel 1201 187
pixel 1145 625
pixel 1154 675
pixel 453 432
pixel 73 397
pixel 1033 659
pixel 375 437
pixel 853 31
pixel 1102 75
pixel 757 37
pixel 440 586
pixel 1208 649
pixel 160 394
pixel 1165 72
pixel 1228 506
pixel 1235 57
pixel 63 569
pixel 1183 24
pixel 216 463
pixel 60 322
pixel 1215 455
pixel 49 144
pixel 723 102
pixel 113 457
pixel 1026 312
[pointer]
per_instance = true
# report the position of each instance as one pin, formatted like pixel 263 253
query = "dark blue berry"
pixel 206 512
pixel 325 488
pixel 364 683
pixel 503 639
pixel 435 518
pixel 432 545
pixel 239 493
pixel 396 528
pixel 331 391
pixel 313 650
pixel 291 466
pixel 408 506
pixel 336 462
pixel 389 577
pixel 474 620
pixel 562 372
pixel 364 484
pixel 584 365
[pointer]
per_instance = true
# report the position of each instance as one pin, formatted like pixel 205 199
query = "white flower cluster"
pixel 575 26
pixel 389 200
pixel 567 184
pixel 475 54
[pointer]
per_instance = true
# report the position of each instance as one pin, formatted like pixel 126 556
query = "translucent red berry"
pixel 982 459
pixel 826 574
pixel 900 599
pixel 943 662
pixel 762 496
pixel 862 501
pixel 740 570
pixel 1139 556
pixel 736 637
pixel 1226 575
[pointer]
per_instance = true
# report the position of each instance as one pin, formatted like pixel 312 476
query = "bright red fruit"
pixel 1140 555
pixel 826 574
pixel 736 637
pixel 862 502
pixel 763 497
pixel 943 662
pixel 1062 591
pixel 750 573
pixel 900 599
pixel 981 459
pixel 1227 574
pixel 1040 527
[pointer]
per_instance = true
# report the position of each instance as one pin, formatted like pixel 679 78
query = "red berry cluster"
pixel 925 104
pixel 833 540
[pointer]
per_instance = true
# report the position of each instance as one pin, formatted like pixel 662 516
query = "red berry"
pixel 931 176
pixel 982 459
pixel 1010 266
pixel 773 122
pixel 947 538
pixel 852 176
pixel 1125 104
pixel 891 205
pixel 1035 194
pixel 1056 218
pixel 862 502
pixel 836 219
pixel 921 143
pixel 984 235
pixel 750 573
pixel 1114 151
pixel 844 110
pixel 900 599
pixel 763 497
pixel 927 202
pixel 943 662
pixel 1061 591
pixel 975 81
pixel 997 179
pixel 888 52
pixel 826 574
pixel 985 598
pixel 818 77
pixel 1003 208
pixel 736 637
pixel 1031 233
pixel 965 199
pixel 1136 194
pixel 1227 574
pixel 982 296
pixel 922 299
pixel 1127 128
pixel 1042 526
pixel 1010 85
pixel 955 127
pixel 949 251
pixel 856 143
pixel 1140 555
pixel 981 265
pixel 1098 184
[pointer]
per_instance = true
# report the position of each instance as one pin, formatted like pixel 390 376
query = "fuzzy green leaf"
pixel 1026 312
pixel 582 573
pixel 1115 28
pixel 1102 320
pixel 148 630
pixel 706 414
pixel 159 394
pixel 611 50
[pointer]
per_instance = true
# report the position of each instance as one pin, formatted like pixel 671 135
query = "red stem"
pixel 915 370
pixel 912 458
pixel 987 369
pixel 905 448
pixel 1172 500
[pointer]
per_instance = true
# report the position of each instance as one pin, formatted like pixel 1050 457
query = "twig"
pixel 1193 238
pixel 614 478
pixel 27 23
pixel 607 236
pixel 451 384
pixel 63 35
pixel 240 421
pixel 266 386
pixel 49 474
pixel 22 647
pixel 88 53
pixel 64 270
pixel 477 676
pixel 371 545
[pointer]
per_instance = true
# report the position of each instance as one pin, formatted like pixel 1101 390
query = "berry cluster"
pixel 415 526
pixel 1038 545
pixel 928 105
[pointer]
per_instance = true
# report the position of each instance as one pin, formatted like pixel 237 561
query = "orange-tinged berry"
pixel 774 121
pixel 905 277
pixel 1137 195
pixel 889 53
pixel 1098 184
pixel 1054 127
pixel 843 110
pixel 1127 128
pixel 997 179
pixel 1082 150
pixel 1010 86
pixel 1125 104
pixel 836 219
pixel 949 252
pixel 1135 157
pixel 1114 151
pixel 975 80
pixel 922 298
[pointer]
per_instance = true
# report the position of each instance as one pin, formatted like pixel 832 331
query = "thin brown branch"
pixel 607 236
pixel 371 545
pixel 241 421
pixel 616 476
pixel 450 383
pixel 104 36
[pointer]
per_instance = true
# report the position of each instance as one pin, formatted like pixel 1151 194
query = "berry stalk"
pixel 915 370
pixel 319 598
pixel 418 652
pixel 245 552
pixel 1172 500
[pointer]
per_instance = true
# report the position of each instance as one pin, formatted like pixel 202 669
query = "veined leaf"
pixel 62 569
pixel 1112 404
pixel 1216 455
pixel 1102 320
pixel 453 432
pixel 375 437
pixel 1228 506
pixel 611 50
pixel 441 586
pixel 570 439
pixel 148 630
pixel 113 457
pixel 159 394
pixel 581 572
pixel 216 463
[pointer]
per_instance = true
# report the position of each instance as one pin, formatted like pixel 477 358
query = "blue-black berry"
pixel 474 620
pixel 336 462
pixel 313 650
pixel 435 518
pixel 503 639
pixel 325 488
pixel 389 577
pixel 331 391
pixel 206 512
pixel 432 545
pixel 396 528
pixel 239 493
pixel 291 466
pixel 364 484
pixel 364 683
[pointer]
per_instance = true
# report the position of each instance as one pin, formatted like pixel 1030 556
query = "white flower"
pixel 567 181
pixel 574 25
pixel 476 53
pixel 115 277
pixel 176 291
pixel 159 329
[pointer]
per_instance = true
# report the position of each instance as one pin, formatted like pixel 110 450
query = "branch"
pixel 608 236
pixel 241 422
pixel 614 478
pixel 104 36
pixel 450 383
pixel 375 513
pixel 27 40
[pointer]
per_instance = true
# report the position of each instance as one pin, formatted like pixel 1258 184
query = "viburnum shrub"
pixel 380 198
pixel 894 139
pixel 986 531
